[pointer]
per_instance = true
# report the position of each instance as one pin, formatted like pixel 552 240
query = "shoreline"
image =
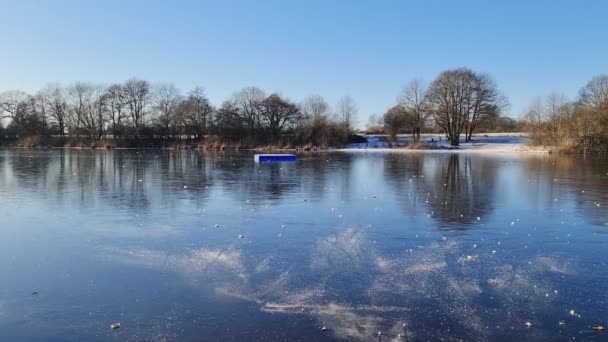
pixel 497 143
pixel 496 148
pixel 493 148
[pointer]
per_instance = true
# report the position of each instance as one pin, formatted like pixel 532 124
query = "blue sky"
pixel 368 50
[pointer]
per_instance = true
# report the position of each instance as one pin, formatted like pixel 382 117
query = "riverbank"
pixel 429 143
pixel 436 143
pixel 210 144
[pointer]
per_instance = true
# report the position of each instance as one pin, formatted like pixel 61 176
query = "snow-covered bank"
pixel 436 143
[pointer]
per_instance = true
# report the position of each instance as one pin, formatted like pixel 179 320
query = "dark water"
pixel 192 247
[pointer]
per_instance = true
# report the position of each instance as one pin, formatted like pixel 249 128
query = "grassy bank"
pixel 210 144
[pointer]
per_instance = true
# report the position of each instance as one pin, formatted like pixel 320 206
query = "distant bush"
pixel 575 126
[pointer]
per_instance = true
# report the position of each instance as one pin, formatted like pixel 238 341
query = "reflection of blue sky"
pixel 361 250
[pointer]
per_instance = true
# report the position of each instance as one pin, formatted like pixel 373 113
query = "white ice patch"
pixel 546 263
pixel 343 250
pixel 192 265
pixel 263 266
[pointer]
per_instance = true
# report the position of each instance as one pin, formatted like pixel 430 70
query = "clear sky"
pixel 368 50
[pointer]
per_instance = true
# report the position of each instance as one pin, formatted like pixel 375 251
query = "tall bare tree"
pixel 86 108
pixel 550 121
pixel 40 113
pixel 197 111
pixel 314 127
pixel 15 106
pixel 449 98
pixel 116 103
pixel 137 97
pixel 346 111
pixel 99 111
pixel 56 106
pixel 79 98
pixel 487 103
pixel 374 122
pixel 315 107
pixel 166 101
pixel 414 101
pixel 278 113
pixel 395 119
pixel 459 99
pixel 534 121
pixel 559 113
pixel 247 102
pixel 594 97
pixel 227 122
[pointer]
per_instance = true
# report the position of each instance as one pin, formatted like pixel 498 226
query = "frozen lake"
pixel 193 247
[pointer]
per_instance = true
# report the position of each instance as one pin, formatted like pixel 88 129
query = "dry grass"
pixel 417 145
pixel 274 148
pixel 216 144
pixel 30 142
pixel 209 144
pixel 103 143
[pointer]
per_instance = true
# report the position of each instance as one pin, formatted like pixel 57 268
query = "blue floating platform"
pixel 266 158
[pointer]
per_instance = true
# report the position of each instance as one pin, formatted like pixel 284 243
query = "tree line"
pixel 457 103
pixel 135 112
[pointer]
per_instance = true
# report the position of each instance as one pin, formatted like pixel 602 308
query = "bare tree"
pixel 41 117
pixel 589 133
pixel 25 113
pixel 278 113
pixel 534 121
pixel 13 105
pixel 459 99
pixel 86 108
pixel 551 121
pixel 196 111
pixel 166 101
pixel 375 124
pixel 315 107
pixel 79 97
pixel 21 109
pixel 594 97
pixel 373 120
pixel 448 97
pixel 414 101
pixel 227 121
pixel 56 106
pixel 346 111
pixel 591 115
pixel 395 119
pixel 99 110
pixel 116 103
pixel 247 102
pixel 137 96
pixel 314 127
pixel 559 113
pixel 487 103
